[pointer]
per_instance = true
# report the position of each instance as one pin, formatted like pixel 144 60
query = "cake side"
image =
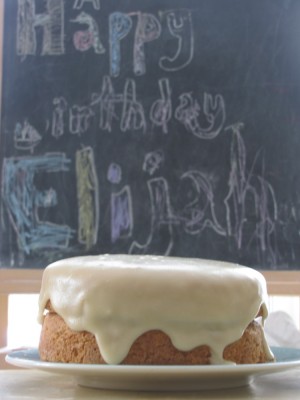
pixel 60 344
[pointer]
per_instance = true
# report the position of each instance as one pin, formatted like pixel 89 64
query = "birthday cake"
pixel 152 310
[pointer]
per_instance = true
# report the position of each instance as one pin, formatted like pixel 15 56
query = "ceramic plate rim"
pixel 24 358
pixel 158 378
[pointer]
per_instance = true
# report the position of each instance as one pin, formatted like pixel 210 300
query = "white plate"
pixel 159 377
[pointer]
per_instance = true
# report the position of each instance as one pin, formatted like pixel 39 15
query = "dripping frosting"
pixel 120 297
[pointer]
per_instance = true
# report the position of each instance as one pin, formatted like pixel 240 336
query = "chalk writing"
pixel 120 205
pixel 79 119
pixel 119 27
pixel 148 29
pixel 58 124
pixel 26 39
pixel 78 4
pixel 121 214
pixel 84 40
pixel 26 137
pixel 245 189
pixel 161 237
pixel 52 22
pixel 106 101
pixel 181 27
pixel 137 99
pixel 199 213
pixel 161 109
pixel 128 111
pixel 153 161
pixel 179 23
pixel 133 115
pixel 88 197
pixel 188 113
pixel 114 173
pixel 23 199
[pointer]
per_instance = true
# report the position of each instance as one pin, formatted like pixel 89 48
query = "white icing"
pixel 120 297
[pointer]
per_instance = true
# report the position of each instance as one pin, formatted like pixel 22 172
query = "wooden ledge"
pixel 29 281
pixel 285 283
pixel 20 280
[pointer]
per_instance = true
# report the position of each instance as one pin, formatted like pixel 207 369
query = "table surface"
pixel 31 385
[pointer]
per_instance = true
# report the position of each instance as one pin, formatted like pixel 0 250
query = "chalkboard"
pixel 162 127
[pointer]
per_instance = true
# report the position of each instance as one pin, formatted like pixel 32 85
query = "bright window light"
pixel 288 304
pixel 23 329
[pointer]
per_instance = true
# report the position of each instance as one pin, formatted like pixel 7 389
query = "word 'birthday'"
pixel 109 108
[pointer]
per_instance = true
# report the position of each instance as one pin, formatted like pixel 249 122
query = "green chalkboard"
pixel 158 127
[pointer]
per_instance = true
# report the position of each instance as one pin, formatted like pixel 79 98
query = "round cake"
pixel 152 310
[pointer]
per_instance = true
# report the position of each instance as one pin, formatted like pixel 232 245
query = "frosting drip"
pixel 120 297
